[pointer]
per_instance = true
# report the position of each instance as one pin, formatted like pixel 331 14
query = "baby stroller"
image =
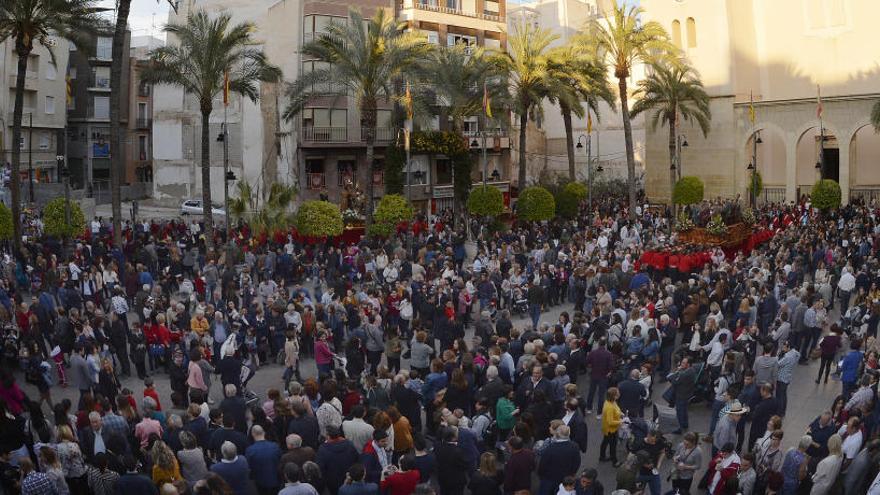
pixel 520 302
pixel 247 372
pixel 852 320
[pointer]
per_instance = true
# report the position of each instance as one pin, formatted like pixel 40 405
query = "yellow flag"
pixel 226 88
pixel 589 122
pixel 408 103
pixel 487 103
pixel 751 109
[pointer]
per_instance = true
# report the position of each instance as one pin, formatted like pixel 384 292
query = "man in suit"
pixel 91 438
pixel 80 375
pixel 765 409
pixel 305 425
pixel 132 482
pixel 452 467
pixel 631 394
pixel 573 418
pixel 528 387
pixel 560 459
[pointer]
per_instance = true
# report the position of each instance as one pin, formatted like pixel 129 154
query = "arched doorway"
pixel 864 157
pixel 766 146
pixel 818 156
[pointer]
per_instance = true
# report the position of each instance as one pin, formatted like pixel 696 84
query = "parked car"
pixel 194 207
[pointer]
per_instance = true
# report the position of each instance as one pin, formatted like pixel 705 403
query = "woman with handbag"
pixel 612 417
pixel 686 461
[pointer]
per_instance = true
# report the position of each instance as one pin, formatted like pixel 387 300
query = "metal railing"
pixel 144 90
pixel 866 193
pixel 325 134
pixel 144 123
pixel 100 83
pixel 772 194
pixel 383 134
pixel 433 7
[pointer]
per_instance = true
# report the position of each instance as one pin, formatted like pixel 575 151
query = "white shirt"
pixel 874 489
pixel 851 444
pixel 716 354
pixel 847 282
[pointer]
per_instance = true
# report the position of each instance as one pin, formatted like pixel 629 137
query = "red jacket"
pixel 727 473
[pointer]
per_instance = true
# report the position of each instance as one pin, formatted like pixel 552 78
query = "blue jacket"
pixel 264 456
pixel 359 488
pixel 236 473
pixel 850 368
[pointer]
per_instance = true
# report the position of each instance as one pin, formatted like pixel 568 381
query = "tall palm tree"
pixel 672 91
pixel 206 50
pixel 623 40
pixel 28 23
pixel 576 77
pixel 525 66
pixel 367 59
pixel 455 87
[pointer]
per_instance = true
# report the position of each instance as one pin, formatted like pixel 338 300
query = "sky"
pixel 146 16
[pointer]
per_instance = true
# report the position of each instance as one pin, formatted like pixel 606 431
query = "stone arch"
pixel 807 153
pixel 863 142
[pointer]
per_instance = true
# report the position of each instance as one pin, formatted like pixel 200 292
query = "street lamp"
pixel 580 145
pixel 680 142
pixel 753 166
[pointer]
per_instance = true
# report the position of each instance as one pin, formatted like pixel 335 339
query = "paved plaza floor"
pixel 805 401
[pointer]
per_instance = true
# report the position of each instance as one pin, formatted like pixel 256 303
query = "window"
pixel 324 87
pixel 433 37
pixel 142 111
pixel 50 104
pixel 51 71
pixel 383 119
pixel 452 4
pixel 21 143
pixel 492 44
pixel 101 77
pixel 325 117
pixel 346 171
pixel 464 39
pixel 676 33
pixel 142 147
pixel 471 126
pixel 692 32
pixel 104 48
pixel 101 109
pixel 419 166
pixel 71 71
pixel 314 25
pixel 444 172
pixel 45 141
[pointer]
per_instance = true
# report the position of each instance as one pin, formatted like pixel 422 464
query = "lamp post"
pixel 753 167
pixel 681 142
pixel 30 157
pixel 580 146
pixel 228 176
pixel 407 130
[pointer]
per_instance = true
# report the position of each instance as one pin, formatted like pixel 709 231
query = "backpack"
pixel 490 435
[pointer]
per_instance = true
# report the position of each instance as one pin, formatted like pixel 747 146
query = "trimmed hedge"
pixel 688 191
pixel 485 201
pixel 318 219
pixel 576 189
pixel 392 210
pixel 55 219
pixel 825 195
pixel 535 204
pixel 567 204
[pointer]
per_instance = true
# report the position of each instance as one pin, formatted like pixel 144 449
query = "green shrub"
pixel 318 219
pixel 758 180
pixel 485 201
pixel 535 204
pixel 392 210
pixel 55 219
pixel 5 222
pixel 826 194
pixel 567 204
pixel 688 191
pixel 577 189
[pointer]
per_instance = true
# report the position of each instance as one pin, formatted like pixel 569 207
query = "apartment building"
pixel 139 157
pixel 329 131
pixel 43 116
pixel 88 111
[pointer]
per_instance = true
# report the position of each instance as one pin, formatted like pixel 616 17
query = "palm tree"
pixel 270 215
pixel 672 91
pixel 29 23
pixel 576 78
pixel 623 40
pixel 525 66
pixel 117 133
pixel 208 49
pixel 367 59
pixel 455 88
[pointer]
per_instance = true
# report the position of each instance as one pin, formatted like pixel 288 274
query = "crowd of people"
pixel 425 379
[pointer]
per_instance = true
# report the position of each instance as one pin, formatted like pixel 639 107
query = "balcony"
pixel 345 135
pixel 143 124
pixel 30 81
pixel 325 134
pixel 316 181
pixel 435 6
pixel 445 191
pixel 144 90
pixel 99 83
pixel 495 139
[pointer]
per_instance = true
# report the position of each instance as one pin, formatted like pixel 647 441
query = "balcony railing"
pixel 383 134
pixel 316 180
pixel 99 83
pixel 144 123
pixel 867 193
pixel 325 134
pixel 144 90
pixel 443 9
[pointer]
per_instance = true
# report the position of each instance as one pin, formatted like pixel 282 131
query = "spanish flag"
pixel 589 122
pixel 487 103
pixel 69 89
pixel 819 109
pixel 226 88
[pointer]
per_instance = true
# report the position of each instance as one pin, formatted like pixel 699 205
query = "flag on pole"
pixel 818 102
pixel 589 121
pixel 487 103
pixel 69 89
pixel 751 108
pixel 226 88
pixel 408 103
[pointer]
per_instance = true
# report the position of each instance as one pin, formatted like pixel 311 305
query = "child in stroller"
pixel 520 301
pixel 248 370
